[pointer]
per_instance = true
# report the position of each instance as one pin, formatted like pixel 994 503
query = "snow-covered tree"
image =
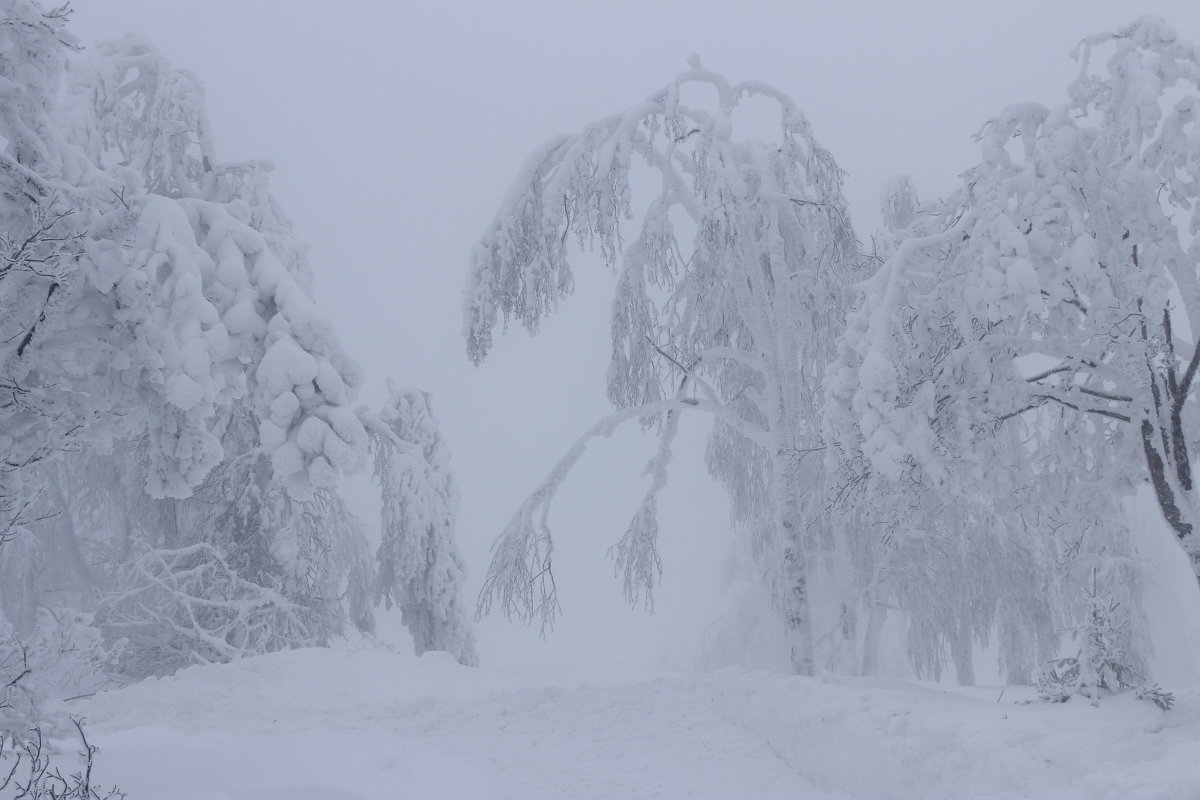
pixel 420 569
pixel 40 243
pixel 1028 341
pixel 942 526
pixel 201 285
pixel 186 300
pixel 729 296
pixel 171 399
pixel 47 406
pixel 149 117
pixel 1088 242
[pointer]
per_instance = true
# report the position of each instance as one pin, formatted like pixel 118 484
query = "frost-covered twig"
pixel 34 776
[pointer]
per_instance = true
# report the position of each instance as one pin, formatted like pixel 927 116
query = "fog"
pixel 396 128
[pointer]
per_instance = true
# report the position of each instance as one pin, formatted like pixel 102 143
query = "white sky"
pixel 397 126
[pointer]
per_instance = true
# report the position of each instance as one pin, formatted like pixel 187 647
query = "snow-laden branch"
pixel 187 606
pixel 876 390
pixel 637 561
pixel 521 576
pixel 420 569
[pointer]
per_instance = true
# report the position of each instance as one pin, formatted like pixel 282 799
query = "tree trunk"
pixel 1164 444
pixel 1171 500
pixel 798 612
pixel 1164 491
pixel 964 659
pixel 789 528
pixel 876 616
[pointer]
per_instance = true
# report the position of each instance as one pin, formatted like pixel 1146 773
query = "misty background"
pixel 396 128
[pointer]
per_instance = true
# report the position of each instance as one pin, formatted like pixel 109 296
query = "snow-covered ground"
pixel 356 722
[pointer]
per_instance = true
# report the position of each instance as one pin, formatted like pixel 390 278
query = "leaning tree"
pixel 729 296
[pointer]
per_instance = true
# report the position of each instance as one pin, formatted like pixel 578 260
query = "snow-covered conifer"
pixel 158 324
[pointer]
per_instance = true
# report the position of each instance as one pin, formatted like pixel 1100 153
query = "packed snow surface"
pixel 359 723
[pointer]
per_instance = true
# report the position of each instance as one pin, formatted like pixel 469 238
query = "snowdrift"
pixel 359 723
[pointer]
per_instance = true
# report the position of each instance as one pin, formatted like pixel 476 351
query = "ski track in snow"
pixel 360 724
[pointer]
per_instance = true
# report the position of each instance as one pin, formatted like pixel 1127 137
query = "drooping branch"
pixel 636 555
pixel 521 574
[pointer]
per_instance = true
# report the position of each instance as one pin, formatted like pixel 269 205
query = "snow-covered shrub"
pixel 62 656
pixel 1103 664
pixel 1058 680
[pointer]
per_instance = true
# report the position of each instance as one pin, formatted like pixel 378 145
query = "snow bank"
pixel 1172 598
pixel 875 738
pixel 360 723
pixel 164 764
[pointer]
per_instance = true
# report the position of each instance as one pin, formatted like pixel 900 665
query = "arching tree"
pixel 728 298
